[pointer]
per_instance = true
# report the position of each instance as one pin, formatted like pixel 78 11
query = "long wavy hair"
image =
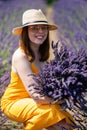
pixel 25 45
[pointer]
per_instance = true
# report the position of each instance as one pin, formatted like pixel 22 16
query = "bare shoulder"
pixel 18 54
pixel 20 61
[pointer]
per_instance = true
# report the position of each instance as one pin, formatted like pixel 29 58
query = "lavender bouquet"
pixel 64 78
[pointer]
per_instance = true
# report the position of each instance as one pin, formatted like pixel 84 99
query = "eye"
pixel 44 27
pixel 33 28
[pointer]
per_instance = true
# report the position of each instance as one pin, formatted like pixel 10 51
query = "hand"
pixel 42 99
pixel 57 102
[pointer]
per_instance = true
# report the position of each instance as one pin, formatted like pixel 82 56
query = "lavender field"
pixel 69 15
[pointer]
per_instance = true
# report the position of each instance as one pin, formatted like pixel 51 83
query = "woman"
pixel 21 102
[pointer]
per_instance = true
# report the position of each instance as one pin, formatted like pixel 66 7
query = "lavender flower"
pixel 64 78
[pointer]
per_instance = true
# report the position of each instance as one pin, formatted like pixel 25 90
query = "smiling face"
pixel 37 33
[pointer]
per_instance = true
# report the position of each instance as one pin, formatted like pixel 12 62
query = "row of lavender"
pixel 71 17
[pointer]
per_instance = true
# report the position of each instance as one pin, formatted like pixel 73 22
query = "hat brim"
pixel 18 30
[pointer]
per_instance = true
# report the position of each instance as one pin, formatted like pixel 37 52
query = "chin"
pixel 39 43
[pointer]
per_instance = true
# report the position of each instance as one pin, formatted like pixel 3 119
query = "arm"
pixel 22 67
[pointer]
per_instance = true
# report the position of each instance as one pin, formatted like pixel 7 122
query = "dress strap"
pixel 34 68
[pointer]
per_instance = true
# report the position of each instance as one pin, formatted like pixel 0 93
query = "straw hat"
pixel 33 17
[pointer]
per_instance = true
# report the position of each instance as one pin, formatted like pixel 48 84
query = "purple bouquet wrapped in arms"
pixel 64 78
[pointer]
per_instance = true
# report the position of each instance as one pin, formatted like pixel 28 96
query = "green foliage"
pixel 50 2
pixel 3 0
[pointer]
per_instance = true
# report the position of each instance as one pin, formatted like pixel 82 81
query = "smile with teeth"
pixel 39 37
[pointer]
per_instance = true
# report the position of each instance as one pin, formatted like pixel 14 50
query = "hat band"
pixel 35 22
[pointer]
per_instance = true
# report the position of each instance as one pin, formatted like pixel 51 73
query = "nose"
pixel 40 29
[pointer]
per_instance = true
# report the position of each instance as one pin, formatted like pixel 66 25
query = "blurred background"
pixel 69 15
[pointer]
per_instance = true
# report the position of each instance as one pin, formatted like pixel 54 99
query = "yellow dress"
pixel 20 107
